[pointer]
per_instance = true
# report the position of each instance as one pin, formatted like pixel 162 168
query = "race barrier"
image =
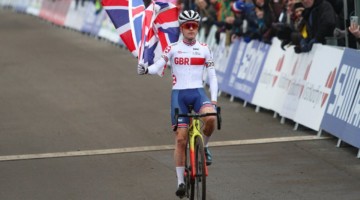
pixel 342 114
pixel 318 89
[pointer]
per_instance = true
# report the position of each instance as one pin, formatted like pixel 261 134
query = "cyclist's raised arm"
pixel 158 66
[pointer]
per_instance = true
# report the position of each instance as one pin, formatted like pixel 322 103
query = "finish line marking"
pixel 154 148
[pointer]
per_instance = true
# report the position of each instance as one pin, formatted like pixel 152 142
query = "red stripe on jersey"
pixel 197 61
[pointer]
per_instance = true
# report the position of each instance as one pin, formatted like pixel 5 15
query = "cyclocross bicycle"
pixel 196 170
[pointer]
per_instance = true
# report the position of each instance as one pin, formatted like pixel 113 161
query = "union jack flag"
pixel 160 28
pixel 127 17
pixel 145 32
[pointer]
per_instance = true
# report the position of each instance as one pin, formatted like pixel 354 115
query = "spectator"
pixel 290 6
pixel 225 10
pixel 269 17
pixel 277 7
pixel 338 6
pixel 297 17
pixel 320 21
pixel 188 5
pixel 274 7
pixel 207 11
pixel 245 23
pixel 355 31
pixel 340 32
pixel 289 24
pixel 180 5
pixel 261 28
pixel 288 12
pixel 225 18
pixel 287 17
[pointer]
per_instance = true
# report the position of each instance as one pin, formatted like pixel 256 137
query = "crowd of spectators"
pixel 300 23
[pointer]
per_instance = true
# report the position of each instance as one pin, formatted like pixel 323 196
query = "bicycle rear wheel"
pixel 198 189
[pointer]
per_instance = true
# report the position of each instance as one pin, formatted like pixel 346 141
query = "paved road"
pixel 103 131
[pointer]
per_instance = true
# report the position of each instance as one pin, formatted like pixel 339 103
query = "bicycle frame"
pixel 195 151
pixel 193 132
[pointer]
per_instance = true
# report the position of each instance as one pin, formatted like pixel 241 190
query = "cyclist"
pixel 188 59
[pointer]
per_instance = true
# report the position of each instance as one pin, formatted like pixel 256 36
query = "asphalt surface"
pixel 63 93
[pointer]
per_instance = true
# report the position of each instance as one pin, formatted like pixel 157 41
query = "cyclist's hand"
pixel 142 69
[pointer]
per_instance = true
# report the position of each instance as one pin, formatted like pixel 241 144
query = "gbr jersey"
pixel 188 62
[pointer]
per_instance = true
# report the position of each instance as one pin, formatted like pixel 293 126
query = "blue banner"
pixel 250 69
pixel 100 17
pixel 342 114
pixel 248 65
pixel 223 73
pixel 93 18
pixel 233 68
pixel 90 17
pixel 21 6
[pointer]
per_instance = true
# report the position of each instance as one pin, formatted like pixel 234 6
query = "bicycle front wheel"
pixel 200 178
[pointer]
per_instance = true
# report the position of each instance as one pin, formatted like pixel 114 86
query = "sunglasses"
pixel 190 25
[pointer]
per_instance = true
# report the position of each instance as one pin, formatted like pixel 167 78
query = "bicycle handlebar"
pixel 198 115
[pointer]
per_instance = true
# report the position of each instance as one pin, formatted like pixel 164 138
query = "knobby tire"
pixel 198 185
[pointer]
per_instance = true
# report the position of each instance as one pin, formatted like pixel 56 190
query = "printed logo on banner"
pixel 342 115
pixel 248 69
pixel 291 82
pixel 317 95
pixel 296 87
pixel 344 104
pixel 306 75
pixel 278 69
pixel 317 80
pixel 329 83
pixel 229 85
pixel 223 70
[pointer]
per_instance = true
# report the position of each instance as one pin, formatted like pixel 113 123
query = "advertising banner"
pixel 47 9
pixel 76 15
pixel 6 3
pixel 34 7
pixel 249 70
pixel 20 5
pixel 90 17
pixel 223 71
pixel 221 52
pixel 60 11
pixel 318 82
pixel 108 31
pixel 342 113
pixel 284 79
pixel 265 91
pixel 233 68
pixel 299 65
pixel 95 28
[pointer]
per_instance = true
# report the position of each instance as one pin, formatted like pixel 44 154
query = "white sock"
pixel 180 174
pixel 206 140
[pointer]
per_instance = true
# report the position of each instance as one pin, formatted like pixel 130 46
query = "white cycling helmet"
pixel 189 15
